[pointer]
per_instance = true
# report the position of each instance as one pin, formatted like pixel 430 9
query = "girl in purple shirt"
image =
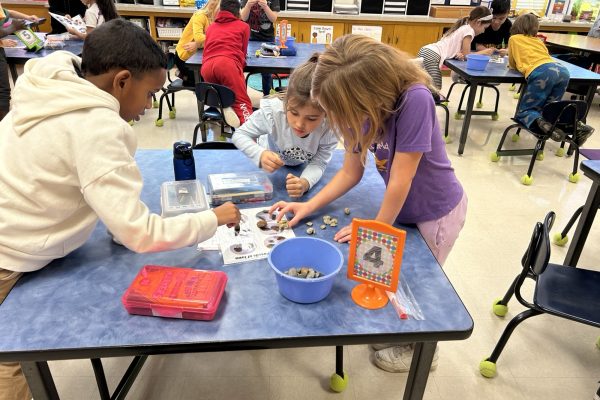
pixel 369 87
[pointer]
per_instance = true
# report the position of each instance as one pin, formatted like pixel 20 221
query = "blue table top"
pixel 499 73
pixel 21 56
pixel 269 64
pixel 72 308
pixel 591 168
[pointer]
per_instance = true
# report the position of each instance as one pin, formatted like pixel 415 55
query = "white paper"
pixel 252 242
pixel 373 32
pixel 75 22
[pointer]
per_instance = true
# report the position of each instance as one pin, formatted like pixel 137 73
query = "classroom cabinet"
pixel 411 37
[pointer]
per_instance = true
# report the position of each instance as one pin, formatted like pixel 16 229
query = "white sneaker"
pixel 381 346
pixel 398 358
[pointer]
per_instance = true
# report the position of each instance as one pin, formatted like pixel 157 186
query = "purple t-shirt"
pixel 414 127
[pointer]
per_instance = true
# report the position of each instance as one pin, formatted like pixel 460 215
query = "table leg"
pixel 583 227
pixel 468 111
pixel 419 370
pixel 13 72
pixel 589 98
pixel 40 380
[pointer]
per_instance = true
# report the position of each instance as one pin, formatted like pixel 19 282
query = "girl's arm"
pixel 511 51
pixel 245 136
pixel 199 26
pixel 404 168
pixel 346 178
pixel 17 14
pixel 316 167
pixel 466 49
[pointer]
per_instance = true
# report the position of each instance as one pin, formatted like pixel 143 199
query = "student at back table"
pixel 67 160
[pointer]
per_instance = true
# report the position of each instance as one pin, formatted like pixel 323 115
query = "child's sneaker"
pixel 399 358
pixel 582 133
pixel 558 135
pixel 381 346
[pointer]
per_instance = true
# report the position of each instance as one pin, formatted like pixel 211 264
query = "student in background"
pixel 224 57
pixel 497 34
pixel 456 43
pixel 261 15
pixel 290 129
pixel 546 80
pixel 17 23
pixel 64 7
pixel 76 110
pixel 97 12
pixel 398 124
pixel 192 39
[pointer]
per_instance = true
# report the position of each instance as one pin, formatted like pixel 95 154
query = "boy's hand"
pixel 263 4
pixel 270 161
pixel 190 47
pixel 300 210
pixel 227 214
pixel 296 186
pixel 489 51
pixel 503 52
pixel 343 235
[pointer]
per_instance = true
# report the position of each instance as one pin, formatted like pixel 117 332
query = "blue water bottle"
pixel 183 161
pixel 200 4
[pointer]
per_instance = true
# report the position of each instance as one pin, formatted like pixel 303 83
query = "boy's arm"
pixel 246 7
pixel 245 136
pixel 511 52
pixel 245 39
pixel 272 15
pixel 17 14
pixel 199 25
pixel 316 167
pixel 17 24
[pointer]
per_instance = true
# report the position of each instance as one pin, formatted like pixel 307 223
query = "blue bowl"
pixel 305 252
pixel 477 62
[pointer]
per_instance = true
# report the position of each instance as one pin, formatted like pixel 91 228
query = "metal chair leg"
pixel 508 331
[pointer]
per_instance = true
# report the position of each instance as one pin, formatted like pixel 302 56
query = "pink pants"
pixel 440 234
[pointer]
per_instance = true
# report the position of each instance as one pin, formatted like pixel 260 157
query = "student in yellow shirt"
pixel 546 80
pixel 193 37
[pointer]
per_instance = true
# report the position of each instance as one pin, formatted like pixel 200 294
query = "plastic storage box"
pixel 178 197
pixel 237 187
pixel 173 292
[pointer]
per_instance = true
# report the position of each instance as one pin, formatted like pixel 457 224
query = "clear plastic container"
pixel 244 187
pixel 174 292
pixel 178 197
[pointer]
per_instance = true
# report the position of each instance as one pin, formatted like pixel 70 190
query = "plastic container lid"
pixel 241 187
pixel 174 292
pixel 178 197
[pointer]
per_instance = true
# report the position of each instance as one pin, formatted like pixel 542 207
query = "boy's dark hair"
pixel 107 9
pixel 120 44
pixel 233 6
pixel 500 7
pixel 526 24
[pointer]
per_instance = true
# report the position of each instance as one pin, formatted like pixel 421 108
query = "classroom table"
pixel 591 169
pixel 19 56
pixel 274 65
pixel 586 44
pixel 499 73
pixel 72 308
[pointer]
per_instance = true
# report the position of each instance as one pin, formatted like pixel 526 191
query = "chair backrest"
pixel 564 112
pixel 215 146
pixel 537 256
pixel 214 95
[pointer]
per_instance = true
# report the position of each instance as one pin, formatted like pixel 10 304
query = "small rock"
pixel 323 226
pixel 347 211
pixel 309 223
pixel 261 223
pixel 333 224
pixel 310 231
pixel 292 272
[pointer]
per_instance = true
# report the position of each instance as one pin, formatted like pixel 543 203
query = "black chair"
pixel 215 146
pixel 561 291
pixel 562 115
pixel 212 100
pixel 174 86
pixel 460 112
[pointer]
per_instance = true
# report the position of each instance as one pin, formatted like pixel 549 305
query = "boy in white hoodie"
pixel 67 160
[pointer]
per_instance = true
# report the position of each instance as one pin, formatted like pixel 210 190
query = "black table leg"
pixel 589 98
pixel 40 380
pixel 13 72
pixel 419 370
pixel 583 227
pixel 468 112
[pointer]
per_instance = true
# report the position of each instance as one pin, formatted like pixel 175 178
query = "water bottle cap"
pixel 182 150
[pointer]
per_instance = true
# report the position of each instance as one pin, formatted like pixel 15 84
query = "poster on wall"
pixel 373 32
pixel 321 34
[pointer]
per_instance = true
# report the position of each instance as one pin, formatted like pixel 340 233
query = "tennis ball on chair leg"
pixel 337 383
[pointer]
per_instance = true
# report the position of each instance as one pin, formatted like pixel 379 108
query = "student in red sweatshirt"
pixel 224 55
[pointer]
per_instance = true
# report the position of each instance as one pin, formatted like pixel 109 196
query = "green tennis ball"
pixel 487 368
pixel 337 383
pixel 559 240
pixel 598 342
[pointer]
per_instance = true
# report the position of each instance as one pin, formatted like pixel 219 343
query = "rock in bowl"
pixel 309 252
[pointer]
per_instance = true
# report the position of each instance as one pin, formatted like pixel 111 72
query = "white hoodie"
pixel 66 159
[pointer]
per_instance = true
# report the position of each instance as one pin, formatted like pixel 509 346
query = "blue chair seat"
pixel 212 113
pixel 569 292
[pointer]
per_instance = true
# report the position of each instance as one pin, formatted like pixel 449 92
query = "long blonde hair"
pixel 211 9
pixel 358 81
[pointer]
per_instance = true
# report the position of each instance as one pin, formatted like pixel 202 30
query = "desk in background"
pixel 591 169
pixel 499 73
pixel 19 56
pixel 72 308
pixel 275 65
pixel 574 42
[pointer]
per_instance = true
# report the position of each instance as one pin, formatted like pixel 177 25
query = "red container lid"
pixel 174 292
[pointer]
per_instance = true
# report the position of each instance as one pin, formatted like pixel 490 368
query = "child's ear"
pixel 121 80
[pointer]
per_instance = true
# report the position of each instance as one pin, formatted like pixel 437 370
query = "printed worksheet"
pixel 75 22
pixel 258 232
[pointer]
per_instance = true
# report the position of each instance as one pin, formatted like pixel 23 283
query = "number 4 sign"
pixel 375 257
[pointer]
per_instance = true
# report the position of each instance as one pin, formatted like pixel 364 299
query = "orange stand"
pixel 283 33
pixel 369 296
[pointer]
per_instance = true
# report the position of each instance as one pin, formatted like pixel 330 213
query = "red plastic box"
pixel 174 292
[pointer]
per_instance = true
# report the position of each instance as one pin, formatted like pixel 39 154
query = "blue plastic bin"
pixel 305 252
pixel 477 62
pixel 289 42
